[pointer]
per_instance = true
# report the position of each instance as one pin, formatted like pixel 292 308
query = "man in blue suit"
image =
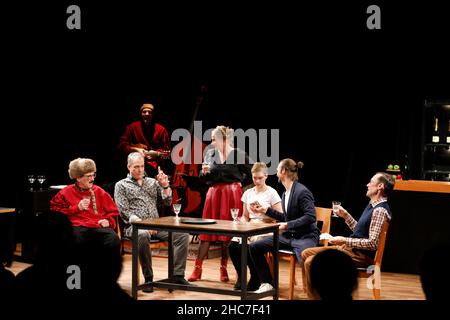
pixel 298 221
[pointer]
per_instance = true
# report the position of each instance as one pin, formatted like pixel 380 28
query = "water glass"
pixel 176 209
pixel 31 180
pixel 41 179
pixel 335 206
pixel 234 214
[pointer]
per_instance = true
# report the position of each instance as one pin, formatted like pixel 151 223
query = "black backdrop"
pixel 347 100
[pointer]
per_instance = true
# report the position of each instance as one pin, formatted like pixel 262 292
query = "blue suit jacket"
pixel 300 213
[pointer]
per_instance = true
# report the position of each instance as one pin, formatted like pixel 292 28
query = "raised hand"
pixel 162 178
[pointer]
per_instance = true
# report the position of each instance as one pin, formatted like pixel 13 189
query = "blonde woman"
pixel 260 194
pixel 225 169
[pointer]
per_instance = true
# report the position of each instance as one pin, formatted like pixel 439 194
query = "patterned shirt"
pixel 378 216
pixel 135 201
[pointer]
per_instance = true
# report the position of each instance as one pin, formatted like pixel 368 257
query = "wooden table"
pixel 221 227
pixel 6 232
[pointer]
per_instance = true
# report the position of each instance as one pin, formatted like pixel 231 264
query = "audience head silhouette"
pixel 54 237
pixel 433 273
pixel 46 278
pixel 333 275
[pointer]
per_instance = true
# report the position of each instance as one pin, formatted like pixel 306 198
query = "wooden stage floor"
pixel 394 286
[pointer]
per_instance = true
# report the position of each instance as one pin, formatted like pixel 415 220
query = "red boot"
pixel 223 271
pixel 197 273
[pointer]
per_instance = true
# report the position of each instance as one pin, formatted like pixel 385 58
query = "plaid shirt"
pixel 378 216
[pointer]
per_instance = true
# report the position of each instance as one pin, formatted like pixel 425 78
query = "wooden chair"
pixel 323 217
pixel 374 271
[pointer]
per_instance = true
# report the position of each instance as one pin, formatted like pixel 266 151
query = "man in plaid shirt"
pixel 362 244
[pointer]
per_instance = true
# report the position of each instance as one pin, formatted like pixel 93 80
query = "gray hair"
pixel 133 157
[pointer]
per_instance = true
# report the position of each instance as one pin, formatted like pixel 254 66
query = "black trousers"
pixel 104 237
pixel 234 249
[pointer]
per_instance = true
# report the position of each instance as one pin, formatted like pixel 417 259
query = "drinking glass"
pixel 335 206
pixel 176 209
pixel 234 214
pixel 88 199
pixel 31 180
pixel 41 179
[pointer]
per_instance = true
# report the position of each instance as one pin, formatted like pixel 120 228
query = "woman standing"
pixel 225 169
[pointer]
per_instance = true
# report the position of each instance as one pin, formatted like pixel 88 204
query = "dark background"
pixel 347 100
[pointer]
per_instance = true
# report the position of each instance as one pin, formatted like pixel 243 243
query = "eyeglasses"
pixel 92 175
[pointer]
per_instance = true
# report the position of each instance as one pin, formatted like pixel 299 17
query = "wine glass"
pixel 31 180
pixel 41 178
pixel 176 209
pixel 335 206
pixel 88 200
pixel 234 214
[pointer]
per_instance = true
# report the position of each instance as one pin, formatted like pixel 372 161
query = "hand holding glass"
pixel 335 206
pixel 86 202
pixel 234 214
pixel 176 209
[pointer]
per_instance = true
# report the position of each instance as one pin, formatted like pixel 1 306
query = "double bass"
pixel 187 189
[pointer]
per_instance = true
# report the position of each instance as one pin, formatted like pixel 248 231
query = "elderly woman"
pixel 90 209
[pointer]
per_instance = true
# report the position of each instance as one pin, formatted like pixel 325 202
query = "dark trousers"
pixel 234 249
pixel 104 237
pixel 258 249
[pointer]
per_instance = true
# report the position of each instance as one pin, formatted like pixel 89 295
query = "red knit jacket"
pixel 66 201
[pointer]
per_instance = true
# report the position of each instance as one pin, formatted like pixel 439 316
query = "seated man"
pixel 90 209
pixel 137 197
pixel 298 227
pixel 363 242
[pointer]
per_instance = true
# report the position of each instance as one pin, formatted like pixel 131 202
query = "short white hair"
pixel 133 157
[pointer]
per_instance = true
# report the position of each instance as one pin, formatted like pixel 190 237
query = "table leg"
pixel 275 263
pixel 244 255
pixel 170 255
pixel 134 263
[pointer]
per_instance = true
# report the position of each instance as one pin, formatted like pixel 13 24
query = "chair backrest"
pixel 381 243
pixel 324 215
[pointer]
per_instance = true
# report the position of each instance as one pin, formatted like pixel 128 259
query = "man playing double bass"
pixel 148 138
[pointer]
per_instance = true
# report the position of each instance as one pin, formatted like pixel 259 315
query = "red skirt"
pixel 220 198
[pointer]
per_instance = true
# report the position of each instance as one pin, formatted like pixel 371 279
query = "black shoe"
pixel 180 280
pixel 149 285
pixel 237 285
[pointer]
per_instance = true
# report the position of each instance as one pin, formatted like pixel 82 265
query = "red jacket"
pixel 66 201
pixel 154 137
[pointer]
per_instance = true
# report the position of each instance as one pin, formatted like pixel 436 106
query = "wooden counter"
pixel 422 186
pixel 7 210
pixel 420 220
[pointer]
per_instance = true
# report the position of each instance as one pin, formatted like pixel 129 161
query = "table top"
pixel 170 223
pixel 423 186
pixel 7 210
